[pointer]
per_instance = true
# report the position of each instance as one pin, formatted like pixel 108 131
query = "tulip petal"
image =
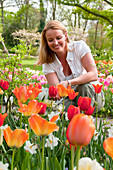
pixel 40 126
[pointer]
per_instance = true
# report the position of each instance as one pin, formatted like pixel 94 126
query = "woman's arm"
pixel 91 75
pixel 52 79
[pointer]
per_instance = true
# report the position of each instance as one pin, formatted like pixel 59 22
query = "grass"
pixel 29 63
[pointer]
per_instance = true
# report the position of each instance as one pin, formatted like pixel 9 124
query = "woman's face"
pixel 56 40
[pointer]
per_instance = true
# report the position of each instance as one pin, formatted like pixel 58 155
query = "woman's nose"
pixel 55 42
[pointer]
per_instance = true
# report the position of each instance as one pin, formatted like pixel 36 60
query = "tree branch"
pixel 89 11
pixel 110 3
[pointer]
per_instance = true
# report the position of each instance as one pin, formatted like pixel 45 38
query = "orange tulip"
pixel 33 107
pixel 33 91
pixel 97 88
pixel 15 138
pixel 42 127
pixel 80 130
pixel 2 118
pixel 21 93
pixel 84 103
pixel 1 91
pixel 72 94
pixel 62 91
pixel 108 146
pixel 72 111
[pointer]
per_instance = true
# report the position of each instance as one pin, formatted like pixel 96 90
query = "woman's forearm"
pixel 84 78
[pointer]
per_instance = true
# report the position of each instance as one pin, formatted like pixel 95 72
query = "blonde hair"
pixel 46 55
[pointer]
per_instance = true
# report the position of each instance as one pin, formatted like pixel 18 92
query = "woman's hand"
pixel 64 83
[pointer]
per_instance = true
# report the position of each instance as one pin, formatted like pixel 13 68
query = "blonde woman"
pixel 67 62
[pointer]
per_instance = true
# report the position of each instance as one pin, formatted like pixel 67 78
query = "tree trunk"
pixel 2 15
pixel 26 14
pixel 54 8
pixel 96 28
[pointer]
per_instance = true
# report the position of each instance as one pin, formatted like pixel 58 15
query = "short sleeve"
pixel 47 68
pixel 82 48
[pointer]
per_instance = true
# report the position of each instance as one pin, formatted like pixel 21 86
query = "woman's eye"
pixel 50 40
pixel 58 38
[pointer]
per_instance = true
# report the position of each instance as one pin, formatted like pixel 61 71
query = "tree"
pixel 91 11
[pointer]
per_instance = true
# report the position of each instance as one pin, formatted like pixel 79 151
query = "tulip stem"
pixel 20 120
pixel 42 166
pixel 51 105
pixel 29 131
pixel 12 159
pixel 96 109
pixel 1 102
pixel 78 157
pixel 72 157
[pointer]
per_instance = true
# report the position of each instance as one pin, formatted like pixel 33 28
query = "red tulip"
pixel 15 138
pixel 4 84
pixel 21 93
pixel 108 146
pixel 84 103
pixel 90 110
pixel 43 108
pixel 72 94
pixel 2 118
pixel 97 88
pixel 80 130
pixel 52 91
pixel 72 111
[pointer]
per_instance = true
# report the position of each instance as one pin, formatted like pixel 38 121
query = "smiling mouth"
pixel 56 47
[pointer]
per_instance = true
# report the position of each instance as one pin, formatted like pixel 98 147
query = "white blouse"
pixel 76 50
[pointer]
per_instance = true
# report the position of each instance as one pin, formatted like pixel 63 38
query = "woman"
pixel 67 63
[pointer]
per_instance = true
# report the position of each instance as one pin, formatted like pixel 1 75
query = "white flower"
pixel 4 127
pixel 96 134
pixel 53 114
pixel 88 164
pixel 52 141
pixel 43 94
pixel 110 131
pixel 30 147
pixel 3 166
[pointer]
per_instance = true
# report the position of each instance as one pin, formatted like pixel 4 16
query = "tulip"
pixel 72 111
pixel 42 127
pixel 43 108
pixel 62 91
pixel 52 91
pixel 97 88
pixel 2 118
pixel 33 92
pixel 15 138
pixel 80 130
pixel 1 91
pixel 90 110
pixel 84 103
pixel 4 84
pixel 72 94
pixel 108 146
pixel 33 107
pixel 21 93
